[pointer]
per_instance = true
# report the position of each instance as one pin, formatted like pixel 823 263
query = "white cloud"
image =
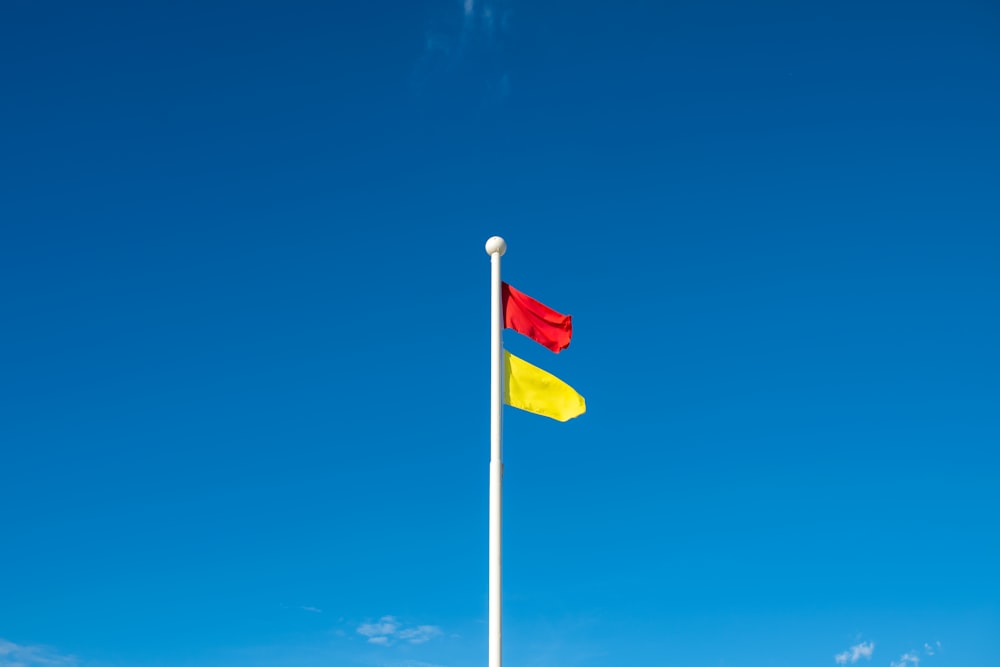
pixel 19 655
pixel 420 634
pixel 465 49
pixel 386 625
pixel 931 649
pixel 855 653
pixel 482 16
pixel 315 610
pixel 910 659
pixel 387 630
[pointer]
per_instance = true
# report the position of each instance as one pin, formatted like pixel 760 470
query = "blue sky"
pixel 245 329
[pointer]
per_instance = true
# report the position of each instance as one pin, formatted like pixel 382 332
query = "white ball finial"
pixel 496 244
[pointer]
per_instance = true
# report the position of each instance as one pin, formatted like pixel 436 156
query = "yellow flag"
pixel 530 388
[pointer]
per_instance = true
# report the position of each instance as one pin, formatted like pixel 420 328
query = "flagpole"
pixel 495 247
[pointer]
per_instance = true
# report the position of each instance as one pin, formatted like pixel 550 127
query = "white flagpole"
pixel 496 247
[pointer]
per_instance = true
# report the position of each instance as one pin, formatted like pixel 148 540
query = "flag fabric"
pixel 529 388
pixel 535 320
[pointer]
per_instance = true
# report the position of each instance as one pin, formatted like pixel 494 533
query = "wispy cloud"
pixel 21 655
pixel 484 18
pixel 420 634
pixel 315 610
pixel 855 653
pixel 388 630
pixel 385 627
pixel 910 659
pixel 464 50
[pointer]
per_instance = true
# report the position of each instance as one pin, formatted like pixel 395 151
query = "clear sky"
pixel 244 332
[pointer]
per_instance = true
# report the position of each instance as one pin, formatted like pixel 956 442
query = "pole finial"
pixel 496 244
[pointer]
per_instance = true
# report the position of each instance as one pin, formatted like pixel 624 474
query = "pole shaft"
pixel 496 463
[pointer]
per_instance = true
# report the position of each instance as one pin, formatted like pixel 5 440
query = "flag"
pixel 530 388
pixel 535 320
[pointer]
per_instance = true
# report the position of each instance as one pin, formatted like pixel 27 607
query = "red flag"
pixel 535 320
